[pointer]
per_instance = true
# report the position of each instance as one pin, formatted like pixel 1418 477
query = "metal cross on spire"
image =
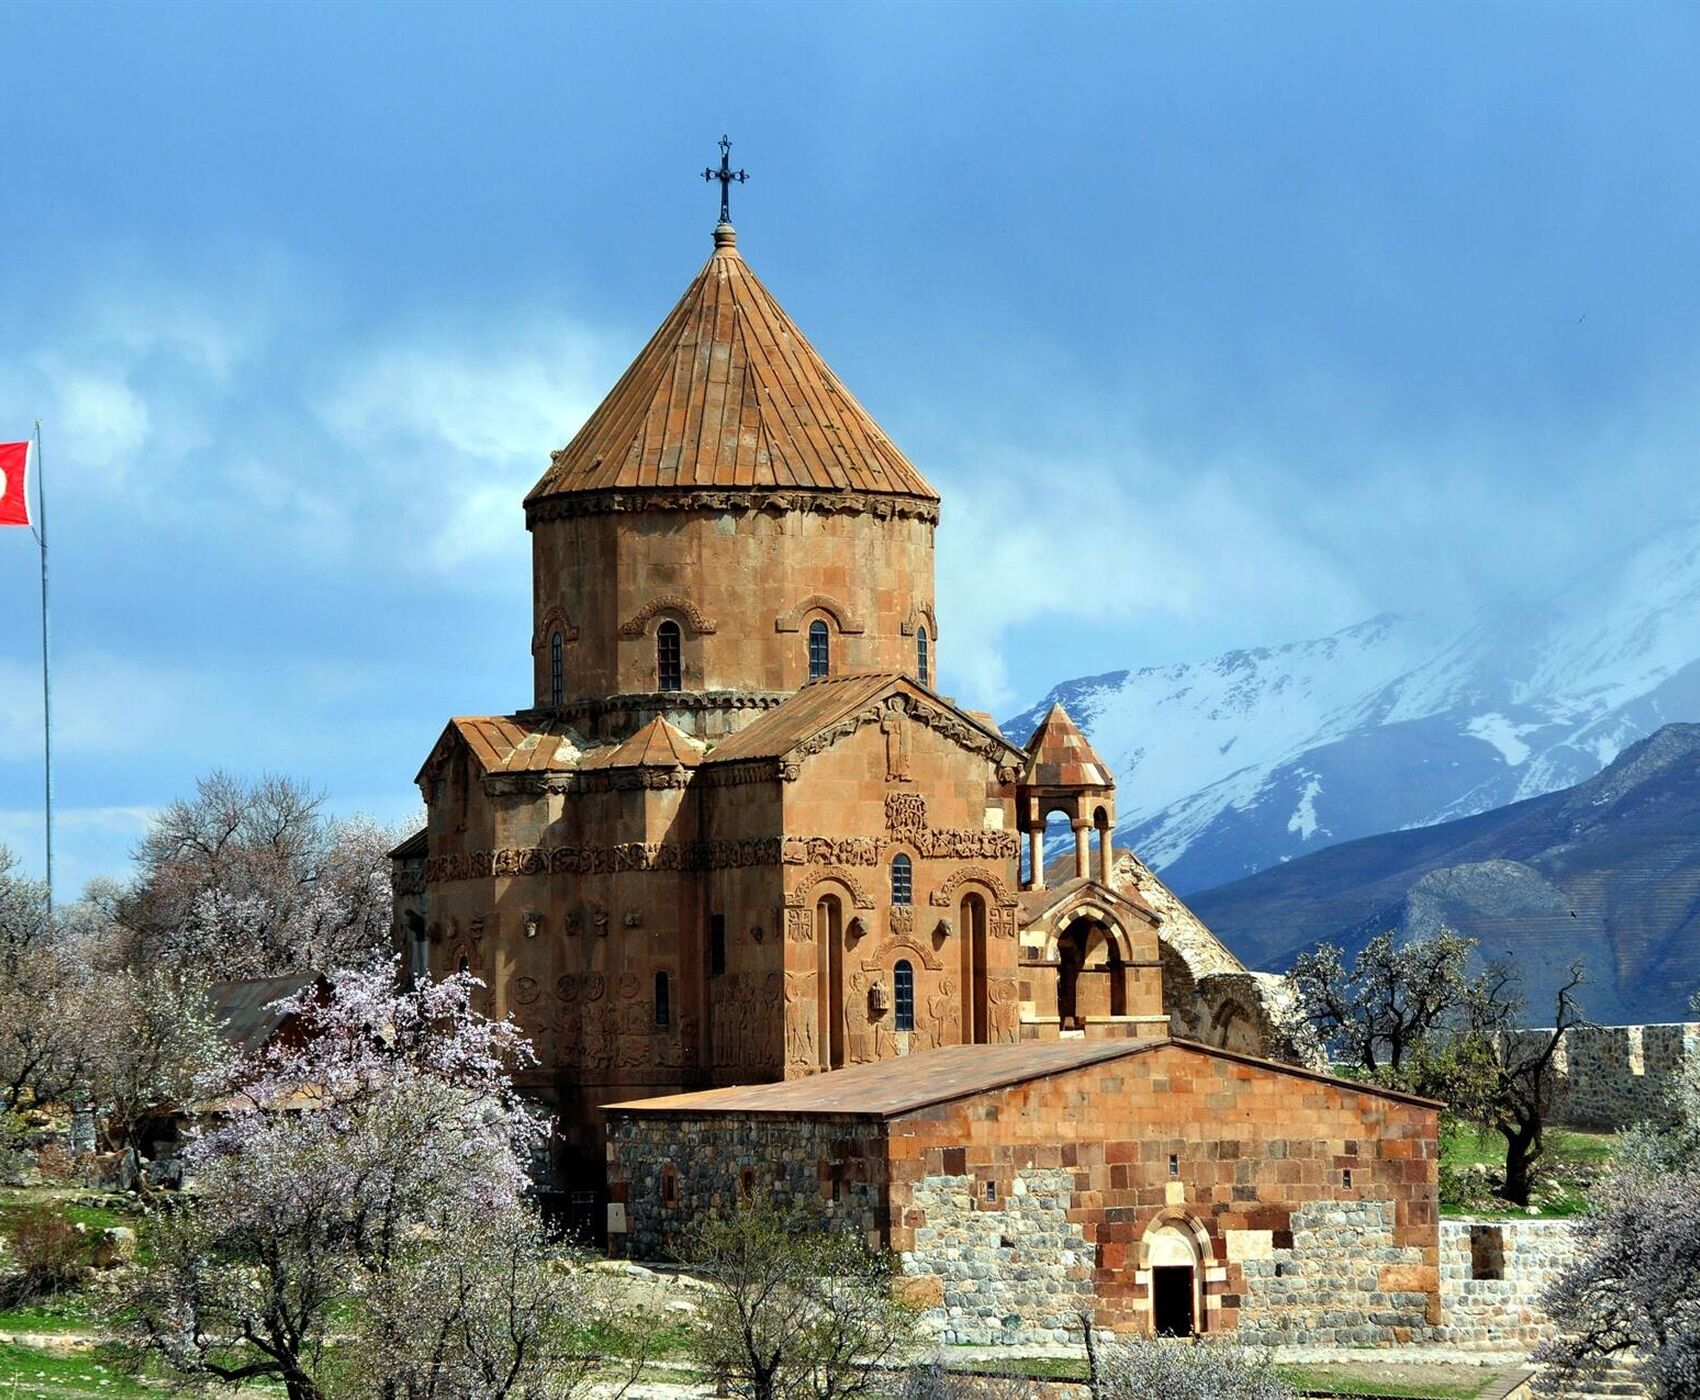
pixel 726 175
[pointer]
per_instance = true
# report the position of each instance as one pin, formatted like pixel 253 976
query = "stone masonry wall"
pixel 1612 1076
pixel 1490 1313
pixel 1016 1275
pixel 1343 1281
pixel 837 1164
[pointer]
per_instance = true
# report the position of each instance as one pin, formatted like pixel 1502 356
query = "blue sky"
pixel 1217 325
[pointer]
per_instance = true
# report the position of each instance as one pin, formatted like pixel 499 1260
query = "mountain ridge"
pixel 1239 762
pixel 1607 871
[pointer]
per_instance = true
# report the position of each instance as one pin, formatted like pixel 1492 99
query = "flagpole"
pixel 46 671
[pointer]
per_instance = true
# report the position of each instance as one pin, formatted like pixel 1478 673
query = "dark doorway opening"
pixel 1171 1300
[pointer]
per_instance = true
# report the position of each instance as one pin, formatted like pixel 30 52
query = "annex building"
pixel 737 847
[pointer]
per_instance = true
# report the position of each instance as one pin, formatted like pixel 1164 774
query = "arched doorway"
pixel 829 980
pixel 975 1029
pixel 1172 1259
pixel 1091 974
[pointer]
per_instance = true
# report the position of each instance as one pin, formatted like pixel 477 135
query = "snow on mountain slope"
pixel 1230 765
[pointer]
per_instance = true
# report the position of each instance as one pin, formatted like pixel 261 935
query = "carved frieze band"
pixel 730 503
pixel 941 844
pixel 667 602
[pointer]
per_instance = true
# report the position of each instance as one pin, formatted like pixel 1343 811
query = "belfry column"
pixel 1036 857
pixel 1082 851
pixel 1106 858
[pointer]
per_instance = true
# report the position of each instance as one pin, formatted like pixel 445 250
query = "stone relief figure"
pixel 895 726
pixel 1003 1009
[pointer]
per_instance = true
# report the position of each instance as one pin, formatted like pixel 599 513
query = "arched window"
pixel 463 965
pixel 903 994
pixel 902 880
pixel 663 1001
pixel 557 676
pixel 667 670
pixel 820 650
pixel 923 662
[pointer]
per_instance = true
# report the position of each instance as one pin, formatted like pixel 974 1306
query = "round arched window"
pixel 923 662
pixel 903 994
pixel 557 673
pixel 820 650
pixel 902 880
pixel 669 673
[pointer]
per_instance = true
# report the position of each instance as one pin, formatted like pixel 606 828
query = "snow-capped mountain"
pixel 1227 766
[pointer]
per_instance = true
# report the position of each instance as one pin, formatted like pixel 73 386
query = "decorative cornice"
pixel 581 503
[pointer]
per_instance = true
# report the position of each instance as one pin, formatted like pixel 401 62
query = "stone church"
pixel 739 838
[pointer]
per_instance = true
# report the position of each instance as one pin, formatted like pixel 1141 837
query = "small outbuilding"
pixel 1163 1185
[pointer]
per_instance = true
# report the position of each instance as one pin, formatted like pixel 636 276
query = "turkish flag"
pixel 14 498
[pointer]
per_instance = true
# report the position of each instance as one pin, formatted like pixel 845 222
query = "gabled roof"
pixel 1059 756
pixel 506 744
pixel 823 704
pixel 657 745
pixel 1039 904
pixel 728 393
pixel 247 1012
pixel 890 1088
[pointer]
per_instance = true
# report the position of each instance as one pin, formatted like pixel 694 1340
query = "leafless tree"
pixel 795 1309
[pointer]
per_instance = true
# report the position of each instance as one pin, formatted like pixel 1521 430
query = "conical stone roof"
pixel 729 395
pixel 1058 755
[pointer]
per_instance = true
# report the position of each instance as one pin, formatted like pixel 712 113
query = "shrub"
pixel 1181 1370
pixel 49 1251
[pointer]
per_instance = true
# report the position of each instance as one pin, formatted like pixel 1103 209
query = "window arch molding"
pixel 846 621
pixel 680 608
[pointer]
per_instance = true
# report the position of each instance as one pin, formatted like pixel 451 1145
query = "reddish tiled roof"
pixel 728 393
pixel 802 716
pixel 1059 756
pixel 889 1088
pixel 504 744
pixel 657 745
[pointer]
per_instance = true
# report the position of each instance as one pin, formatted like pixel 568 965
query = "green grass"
pixel 25 1371
pixel 1468 1148
pixel 1340 1381
pixel 1563 1174
pixel 69 1312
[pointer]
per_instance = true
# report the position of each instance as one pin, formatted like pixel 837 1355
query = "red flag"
pixel 14 498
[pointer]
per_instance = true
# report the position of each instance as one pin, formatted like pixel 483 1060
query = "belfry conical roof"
pixel 1058 755
pixel 728 394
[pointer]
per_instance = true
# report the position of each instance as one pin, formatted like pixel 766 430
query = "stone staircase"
pixel 1618 1380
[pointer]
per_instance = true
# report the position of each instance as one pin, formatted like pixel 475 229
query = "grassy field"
pixel 1563 1176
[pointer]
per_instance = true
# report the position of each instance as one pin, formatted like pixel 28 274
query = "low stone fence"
pixel 1607 1077
pixel 1492 1274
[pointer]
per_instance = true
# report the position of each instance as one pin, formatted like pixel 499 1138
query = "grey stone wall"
pixel 1612 1076
pixel 1490 1314
pixel 1018 1273
pixel 835 1165
pixel 1342 1282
